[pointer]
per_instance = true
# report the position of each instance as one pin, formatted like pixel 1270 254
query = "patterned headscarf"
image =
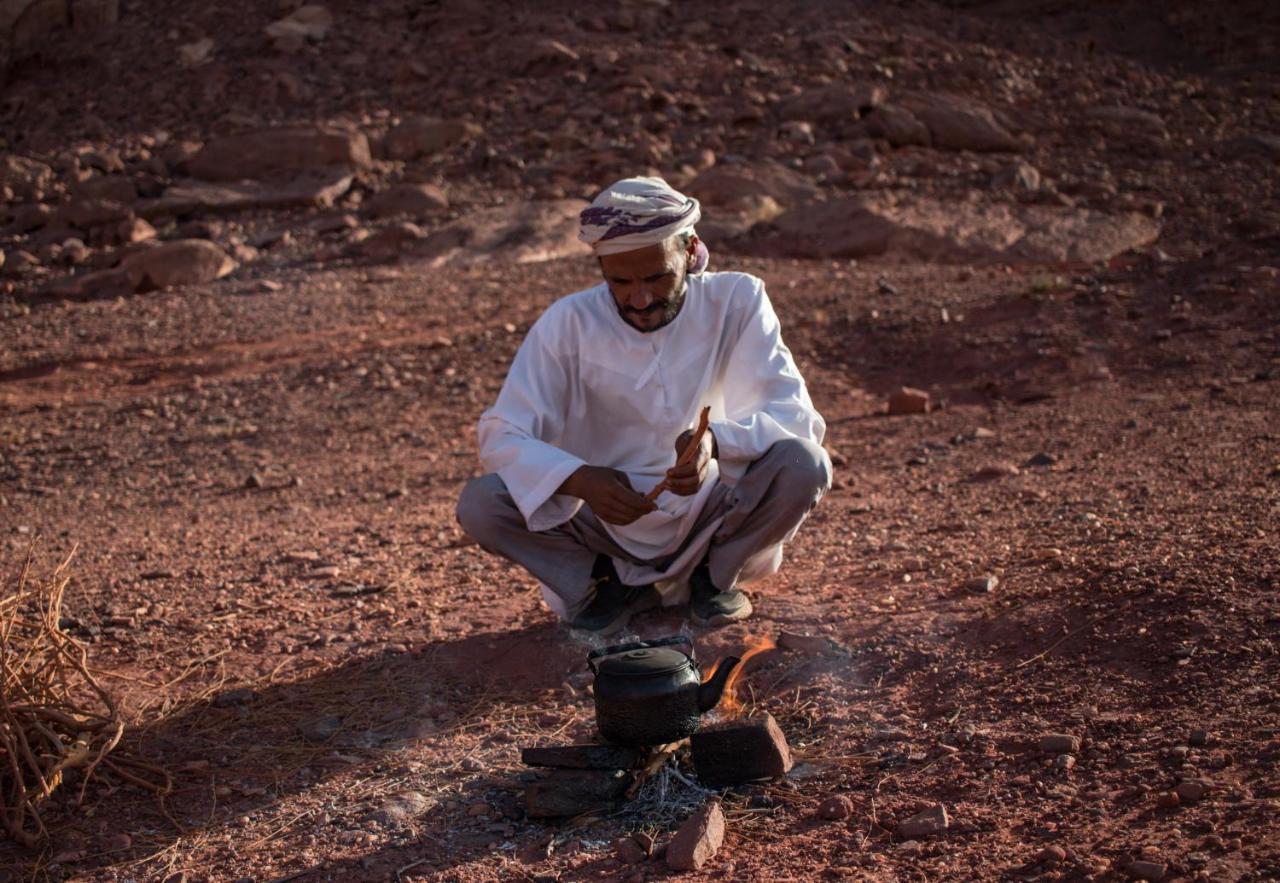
pixel 638 212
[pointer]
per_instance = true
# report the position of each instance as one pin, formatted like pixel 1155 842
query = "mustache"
pixel 652 308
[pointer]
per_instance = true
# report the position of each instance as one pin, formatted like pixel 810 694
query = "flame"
pixel 730 705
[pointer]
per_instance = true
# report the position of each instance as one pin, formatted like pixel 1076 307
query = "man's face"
pixel 648 284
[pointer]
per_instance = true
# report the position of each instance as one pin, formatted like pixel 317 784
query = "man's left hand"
pixel 684 481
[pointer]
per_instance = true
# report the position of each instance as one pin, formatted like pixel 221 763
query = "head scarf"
pixel 638 212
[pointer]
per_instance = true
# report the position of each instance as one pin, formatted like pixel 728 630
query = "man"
pixel 597 407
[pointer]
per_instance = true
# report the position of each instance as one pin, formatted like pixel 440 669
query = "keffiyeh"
pixel 638 212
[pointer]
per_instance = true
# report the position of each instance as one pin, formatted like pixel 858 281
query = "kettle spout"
pixel 709 693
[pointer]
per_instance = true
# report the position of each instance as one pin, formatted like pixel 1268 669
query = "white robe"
pixel 587 388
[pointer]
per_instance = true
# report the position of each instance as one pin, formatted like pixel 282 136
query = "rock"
pixel 925 823
pixel 386 243
pixel 897 125
pixel 414 200
pixel 320 729
pixel 306 23
pixel 628 851
pixel 181 262
pixel 1266 146
pixel 995 471
pixel 581 757
pixel 1168 800
pixel 1064 762
pixel 1191 791
pixel 740 750
pixel 543 57
pixel 1019 176
pixel 402 808
pixel 27 178
pixel 31 217
pixel 238 696
pixel 961 124
pixel 283 151
pixel 196 53
pixel 1146 870
pixel 571 792
pixel 117 188
pixel 908 400
pixel 319 188
pixel 836 103
pixel 425 136
pixel 836 808
pixel 733 185
pixel 1059 743
pixel 104 284
pixel 720 224
pixel 24 23
pixel 982 584
pixel 132 230
pixel 1198 738
pixel 1051 855
pixel 523 233
pixel 107 161
pixel 86 214
pixel 94 17
pixel 1121 116
pixel 698 839
pixel 1041 459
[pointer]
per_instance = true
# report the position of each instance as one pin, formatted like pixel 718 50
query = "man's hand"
pixel 609 494
pixel 684 481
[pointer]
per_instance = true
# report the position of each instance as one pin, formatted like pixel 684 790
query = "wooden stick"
pixel 690 451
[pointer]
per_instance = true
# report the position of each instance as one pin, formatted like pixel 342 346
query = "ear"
pixel 691 250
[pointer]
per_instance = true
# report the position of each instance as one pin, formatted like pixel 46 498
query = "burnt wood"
pixel 740 751
pixel 571 792
pixel 581 757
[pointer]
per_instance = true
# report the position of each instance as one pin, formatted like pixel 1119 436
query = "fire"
pixel 730 705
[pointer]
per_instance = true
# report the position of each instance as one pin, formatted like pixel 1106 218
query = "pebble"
pixel 994 471
pixel 698 839
pixel 933 820
pixel 472 765
pixel 1052 854
pixel 1198 738
pixel 1059 743
pixel 908 400
pixel 254 481
pixel 1168 800
pixel 478 809
pixel 629 851
pixel 1145 870
pixel 836 808
pixel 1042 459
pixel 1064 761
pixel 983 584
pixel 1190 791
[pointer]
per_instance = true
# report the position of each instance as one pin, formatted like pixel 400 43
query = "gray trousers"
pixel 765 508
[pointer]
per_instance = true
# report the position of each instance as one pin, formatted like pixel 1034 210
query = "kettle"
pixel 648 693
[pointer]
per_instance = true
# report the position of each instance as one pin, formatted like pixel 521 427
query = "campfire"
pixel 730 746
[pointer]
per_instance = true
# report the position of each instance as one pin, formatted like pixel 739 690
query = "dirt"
pixel 258 485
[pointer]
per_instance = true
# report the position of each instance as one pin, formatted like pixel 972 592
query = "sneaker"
pixel 712 607
pixel 613 606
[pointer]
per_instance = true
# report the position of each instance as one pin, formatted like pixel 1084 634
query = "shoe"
pixel 712 607
pixel 613 606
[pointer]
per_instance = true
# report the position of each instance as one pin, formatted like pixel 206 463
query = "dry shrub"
pixel 54 715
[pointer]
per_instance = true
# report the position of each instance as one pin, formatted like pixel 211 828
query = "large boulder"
pixel 424 136
pixel 318 189
pixel 735 185
pixel 276 152
pixel 527 232
pixel 897 125
pixel 961 124
pixel 176 263
pixel 926 229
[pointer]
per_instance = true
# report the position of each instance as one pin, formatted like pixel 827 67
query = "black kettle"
pixel 649 694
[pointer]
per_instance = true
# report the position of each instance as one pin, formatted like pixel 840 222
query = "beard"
pixel 668 308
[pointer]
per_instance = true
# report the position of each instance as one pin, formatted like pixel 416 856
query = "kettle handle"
pixel 637 645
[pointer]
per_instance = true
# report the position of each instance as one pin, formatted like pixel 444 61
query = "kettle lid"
pixel 645 662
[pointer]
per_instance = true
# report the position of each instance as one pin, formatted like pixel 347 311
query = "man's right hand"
pixel 609 494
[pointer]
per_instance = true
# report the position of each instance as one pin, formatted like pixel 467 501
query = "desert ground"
pixel 258 286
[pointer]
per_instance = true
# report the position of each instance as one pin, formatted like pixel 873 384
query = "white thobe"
pixel 588 389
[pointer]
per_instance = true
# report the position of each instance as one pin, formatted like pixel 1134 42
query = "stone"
pixel 87 214
pixel 581 757
pixel 1198 738
pixel 1064 762
pixel 1041 459
pixel 543 57
pixel 1060 743
pixel 1168 800
pixel 1020 176
pixel 384 244
pixel 177 263
pixel 414 200
pixel 982 584
pixel 1265 146
pixel 995 471
pixel 925 823
pixel 1146 870
pixel 100 285
pixel 908 400
pixel 628 851
pixel 698 839
pixel 25 23
pixel 835 103
pixel 731 185
pixel 1121 116
pixel 197 52
pixel 837 807
pixel 897 125
pixel 281 151
pixel 1051 855
pixel 117 188
pixel 318 188
pixel 740 750
pixel 93 17
pixel 305 24
pixel 572 792
pixel 27 178
pixel 1191 791
pixel 426 136
pixel 522 232
pixel 402 808
pixel 31 217
pixel 132 230
pixel 961 124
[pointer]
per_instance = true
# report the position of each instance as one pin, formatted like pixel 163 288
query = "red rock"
pixel 181 262
pixel 1059 743
pixel 698 839
pixel 132 230
pixel 960 124
pixel 93 17
pixel 1146 870
pixel 1168 800
pixel 1191 791
pixel 307 23
pixel 521 232
pixel 909 400
pixel 629 851
pixel 836 807
pixel 93 286
pixel 832 104
pixel 414 200
pixel 273 152
pixel 740 750
pixel 117 188
pixel 1051 855
pixel 424 136
pixel 897 125
pixel 925 823
pixel 994 471
pixel 318 188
